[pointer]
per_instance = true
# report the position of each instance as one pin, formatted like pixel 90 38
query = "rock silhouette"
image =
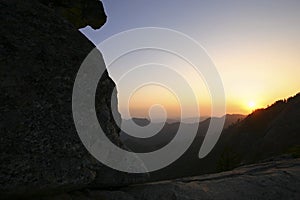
pixel 41 52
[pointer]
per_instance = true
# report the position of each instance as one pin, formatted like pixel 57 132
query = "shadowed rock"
pixel 41 53
pixel 80 13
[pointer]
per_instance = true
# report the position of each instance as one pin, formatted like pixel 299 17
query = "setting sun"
pixel 251 105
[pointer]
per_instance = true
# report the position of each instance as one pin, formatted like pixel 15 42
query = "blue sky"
pixel 203 20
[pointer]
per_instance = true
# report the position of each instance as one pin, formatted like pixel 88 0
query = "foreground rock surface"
pixel 269 180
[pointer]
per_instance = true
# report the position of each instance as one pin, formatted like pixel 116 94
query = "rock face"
pixel 41 52
pixel 269 180
pixel 80 13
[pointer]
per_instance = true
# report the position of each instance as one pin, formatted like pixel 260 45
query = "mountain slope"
pixel 263 134
pixel 266 132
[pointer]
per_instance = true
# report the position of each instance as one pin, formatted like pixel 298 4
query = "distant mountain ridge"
pixel 144 121
pixel 167 133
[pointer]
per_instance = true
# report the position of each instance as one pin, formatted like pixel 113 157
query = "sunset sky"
pixel 255 46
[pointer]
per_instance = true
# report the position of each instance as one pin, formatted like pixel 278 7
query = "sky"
pixel 254 45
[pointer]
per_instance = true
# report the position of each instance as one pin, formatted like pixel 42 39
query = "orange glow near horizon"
pixel 243 102
pixel 141 102
pixel 148 96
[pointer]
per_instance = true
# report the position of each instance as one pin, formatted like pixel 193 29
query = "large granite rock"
pixel 41 52
pixel 270 180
